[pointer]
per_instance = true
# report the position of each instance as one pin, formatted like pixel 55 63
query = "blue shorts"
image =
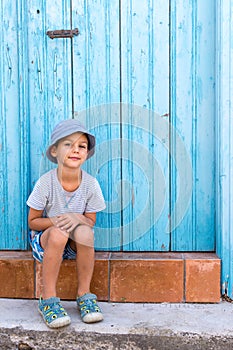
pixel 38 251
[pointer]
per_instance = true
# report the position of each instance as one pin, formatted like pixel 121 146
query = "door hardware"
pixel 63 33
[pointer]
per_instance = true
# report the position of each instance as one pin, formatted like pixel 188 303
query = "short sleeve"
pixel 95 201
pixel 39 196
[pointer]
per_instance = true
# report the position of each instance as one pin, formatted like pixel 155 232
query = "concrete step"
pixel 125 326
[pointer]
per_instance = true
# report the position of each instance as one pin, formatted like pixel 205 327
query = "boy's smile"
pixel 72 150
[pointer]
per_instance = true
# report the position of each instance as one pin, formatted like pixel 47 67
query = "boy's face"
pixel 71 151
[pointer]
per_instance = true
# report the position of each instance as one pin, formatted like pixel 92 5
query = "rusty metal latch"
pixel 63 33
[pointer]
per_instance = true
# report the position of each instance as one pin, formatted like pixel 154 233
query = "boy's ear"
pixel 53 151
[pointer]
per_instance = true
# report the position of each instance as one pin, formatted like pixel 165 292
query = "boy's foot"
pixel 89 310
pixel 53 313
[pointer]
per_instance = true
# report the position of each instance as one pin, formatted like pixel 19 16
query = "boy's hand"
pixel 68 221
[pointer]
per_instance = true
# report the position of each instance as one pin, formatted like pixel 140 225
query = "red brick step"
pixel 121 277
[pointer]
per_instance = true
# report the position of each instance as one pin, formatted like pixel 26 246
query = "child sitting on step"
pixel 62 214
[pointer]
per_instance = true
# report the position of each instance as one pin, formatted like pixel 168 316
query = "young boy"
pixel 62 214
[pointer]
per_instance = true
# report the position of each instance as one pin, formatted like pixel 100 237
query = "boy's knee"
pixel 57 236
pixel 84 235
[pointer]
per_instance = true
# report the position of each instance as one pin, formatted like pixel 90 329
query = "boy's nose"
pixel 75 148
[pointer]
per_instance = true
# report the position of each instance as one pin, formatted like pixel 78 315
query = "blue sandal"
pixel 89 310
pixel 54 315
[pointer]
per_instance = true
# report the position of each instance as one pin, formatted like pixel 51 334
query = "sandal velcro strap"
pixel 89 309
pixel 53 313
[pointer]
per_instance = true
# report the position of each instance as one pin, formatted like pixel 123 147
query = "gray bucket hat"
pixel 68 127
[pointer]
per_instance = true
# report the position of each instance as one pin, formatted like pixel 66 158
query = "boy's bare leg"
pixel 89 310
pixel 53 242
pixel 84 239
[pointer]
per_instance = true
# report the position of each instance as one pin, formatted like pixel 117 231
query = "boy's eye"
pixel 83 146
pixel 68 144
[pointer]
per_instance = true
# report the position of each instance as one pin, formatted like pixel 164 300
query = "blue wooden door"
pixel 140 75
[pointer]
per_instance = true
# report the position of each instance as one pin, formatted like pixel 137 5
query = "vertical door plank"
pixel 192 115
pixel 14 120
pixel 206 130
pixel 145 136
pixel 96 86
pixel 50 77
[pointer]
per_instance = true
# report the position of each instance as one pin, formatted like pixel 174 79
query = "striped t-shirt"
pixel 49 195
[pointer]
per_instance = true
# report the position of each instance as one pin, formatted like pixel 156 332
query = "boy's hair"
pixel 66 128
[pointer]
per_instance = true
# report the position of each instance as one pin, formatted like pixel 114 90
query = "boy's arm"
pixel 69 221
pixel 37 222
pixel 91 218
pixel 65 221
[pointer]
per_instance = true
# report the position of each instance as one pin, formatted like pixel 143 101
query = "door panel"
pixel 50 77
pixel 96 86
pixel 145 147
pixel 13 135
pixel 192 116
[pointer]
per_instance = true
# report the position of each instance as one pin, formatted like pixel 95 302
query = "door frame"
pixel 224 141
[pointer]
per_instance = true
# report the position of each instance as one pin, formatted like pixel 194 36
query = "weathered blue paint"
pixel 224 126
pixel 50 77
pixel 145 82
pixel 14 148
pixel 96 67
pixel 192 73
